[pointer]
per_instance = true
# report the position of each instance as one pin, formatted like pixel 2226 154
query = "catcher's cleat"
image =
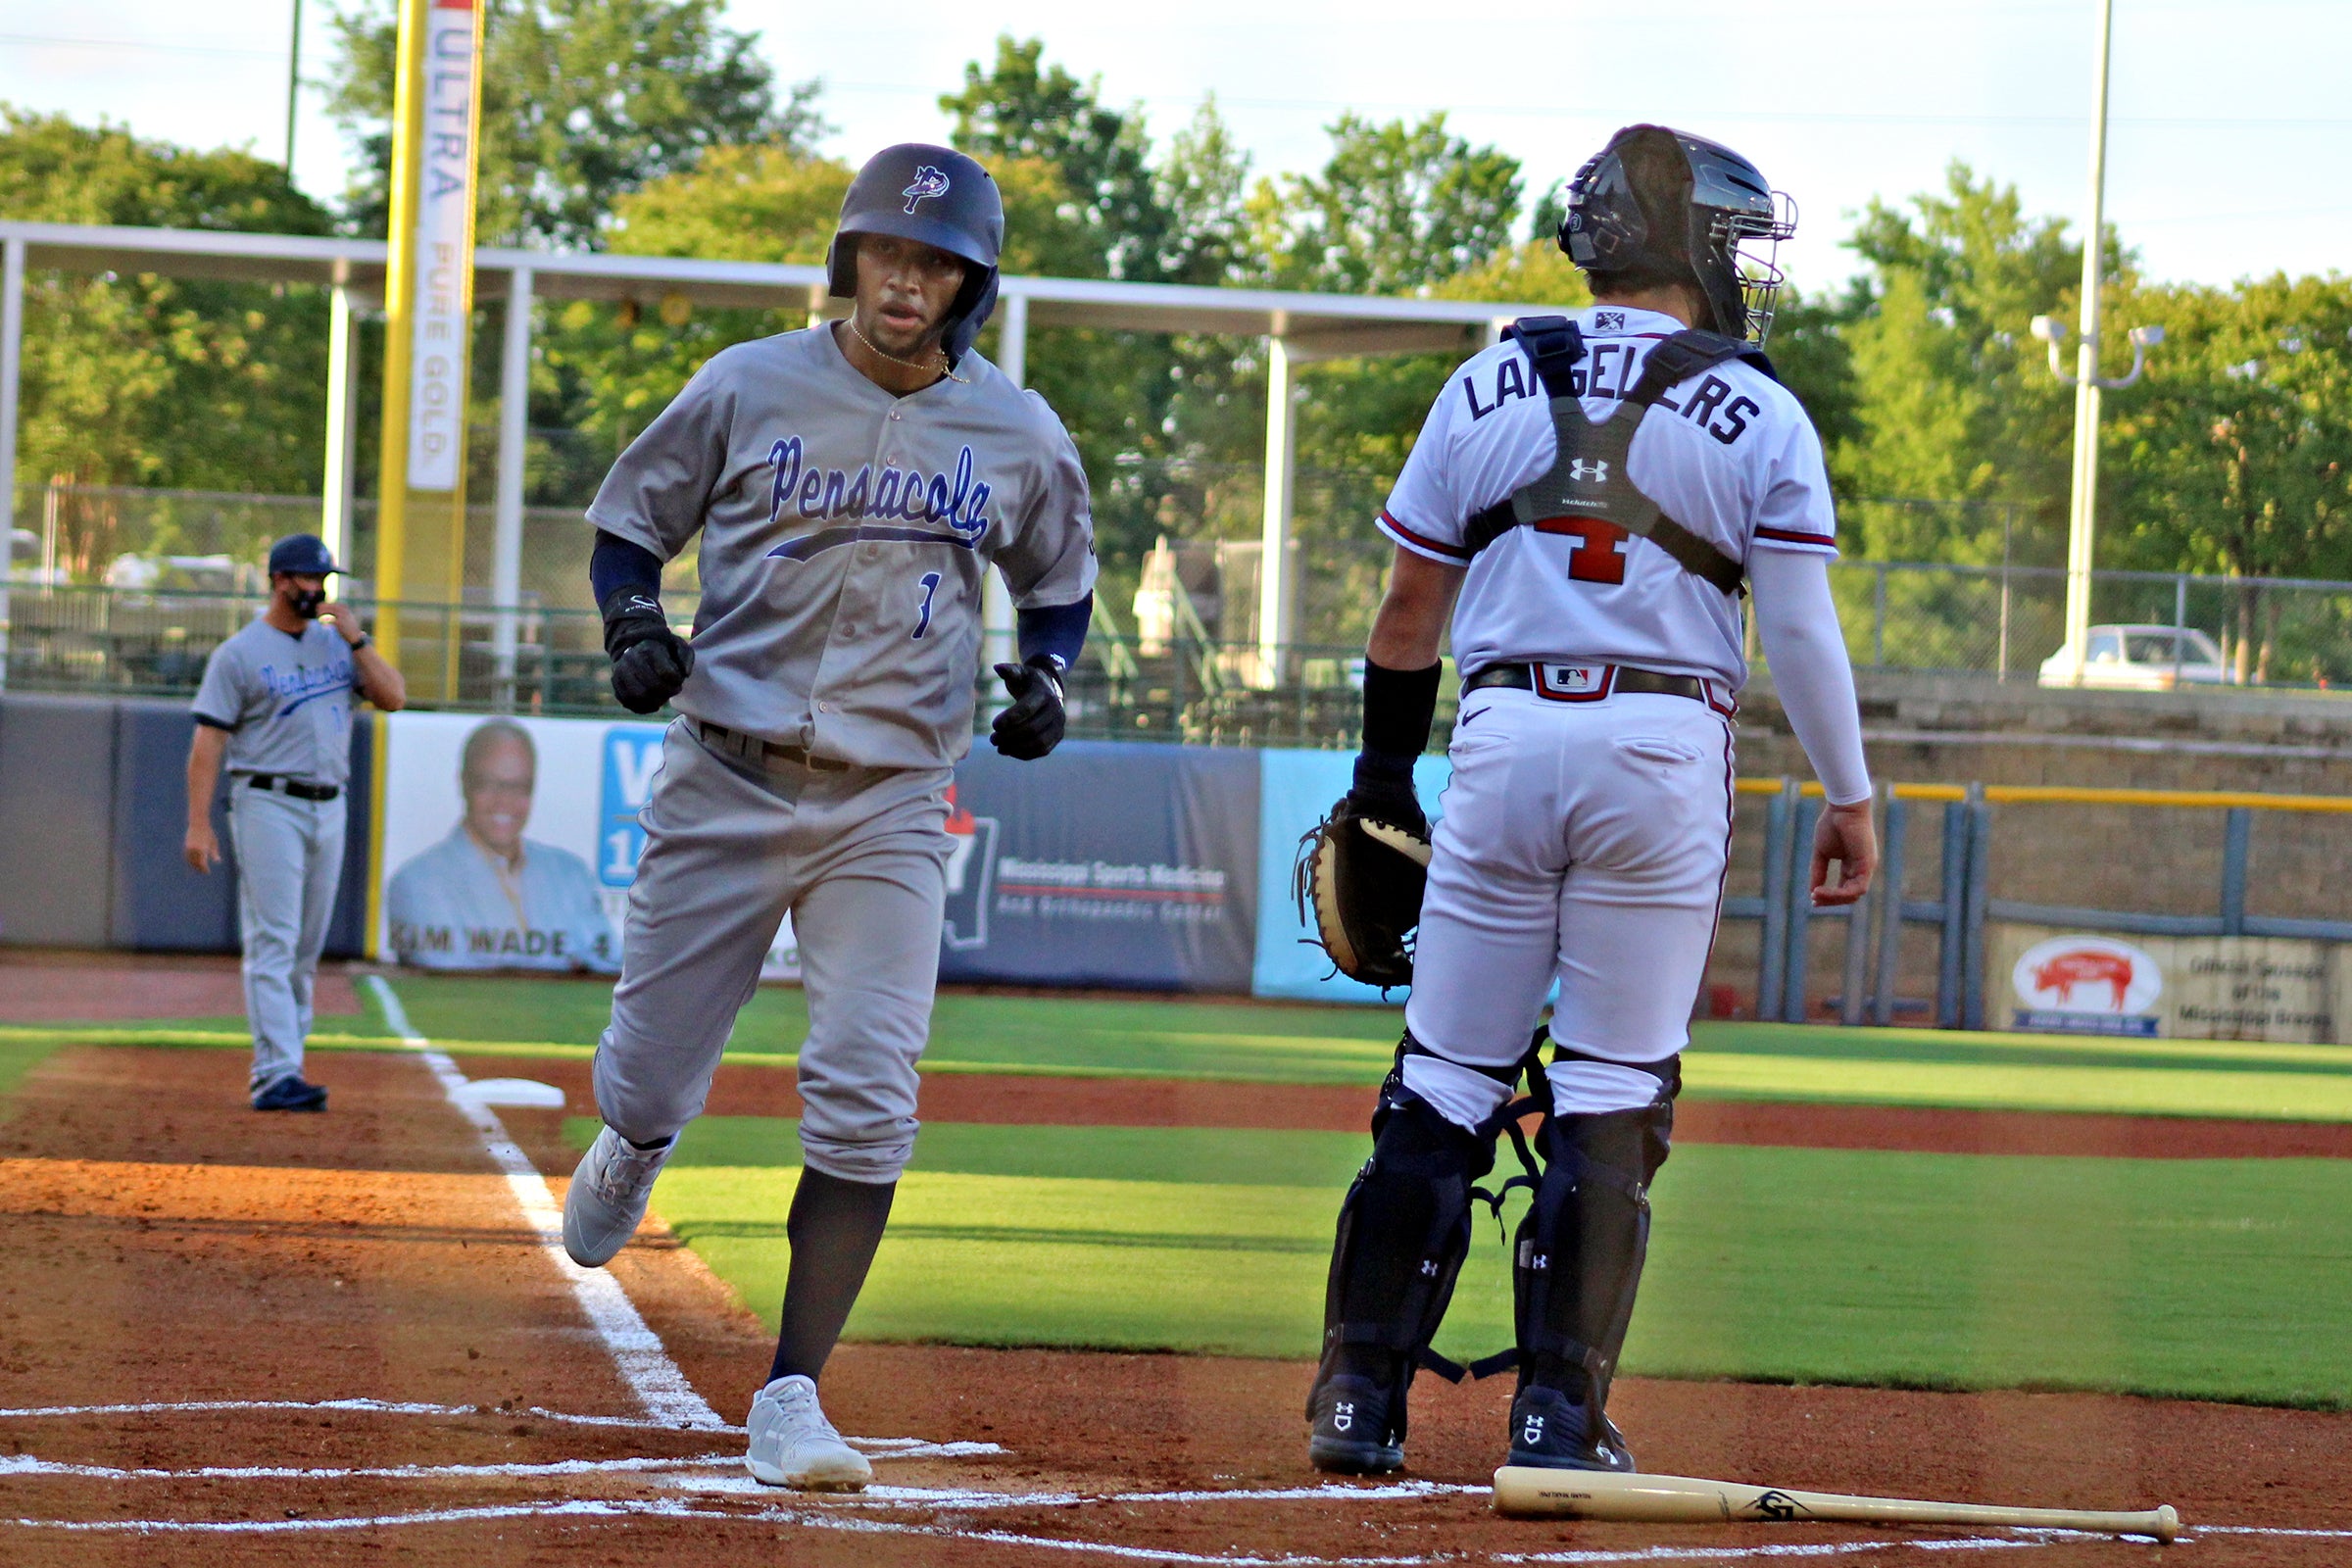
pixel 1351 1434
pixel 792 1444
pixel 290 1092
pixel 607 1196
pixel 1550 1431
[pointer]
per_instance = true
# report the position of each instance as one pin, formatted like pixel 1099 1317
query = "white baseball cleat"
pixel 607 1196
pixel 792 1444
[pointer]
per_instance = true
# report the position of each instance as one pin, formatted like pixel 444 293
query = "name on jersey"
pixel 908 495
pixel 304 684
pixel 1609 371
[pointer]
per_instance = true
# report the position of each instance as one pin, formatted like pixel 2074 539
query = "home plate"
pixel 527 1093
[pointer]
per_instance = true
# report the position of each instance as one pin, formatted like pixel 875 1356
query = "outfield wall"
pixel 1159 867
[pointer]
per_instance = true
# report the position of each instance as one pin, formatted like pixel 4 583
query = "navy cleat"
pixel 1550 1431
pixel 1351 1434
pixel 290 1092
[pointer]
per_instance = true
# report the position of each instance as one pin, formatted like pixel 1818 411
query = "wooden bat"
pixel 1524 1491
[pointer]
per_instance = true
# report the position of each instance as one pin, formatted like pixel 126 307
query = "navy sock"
pixel 833 1229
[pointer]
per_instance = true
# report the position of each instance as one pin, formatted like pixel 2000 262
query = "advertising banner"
pixel 1294 789
pixel 441 248
pixel 511 843
pixel 2189 987
pixel 1104 864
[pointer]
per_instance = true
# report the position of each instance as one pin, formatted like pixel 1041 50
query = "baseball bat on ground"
pixel 1527 1492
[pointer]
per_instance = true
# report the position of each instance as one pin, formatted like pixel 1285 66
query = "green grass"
pixel 2212 1279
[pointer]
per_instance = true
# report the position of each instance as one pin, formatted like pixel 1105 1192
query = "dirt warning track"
pixel 234 1338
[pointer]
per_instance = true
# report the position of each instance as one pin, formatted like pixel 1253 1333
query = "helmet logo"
pixel 929 183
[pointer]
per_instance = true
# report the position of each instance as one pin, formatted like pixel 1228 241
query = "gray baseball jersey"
pixel 286 701
pixel 845 535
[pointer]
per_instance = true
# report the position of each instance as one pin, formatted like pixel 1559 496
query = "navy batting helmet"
pixel 304 553
pixel 1662 204
pixel 936 196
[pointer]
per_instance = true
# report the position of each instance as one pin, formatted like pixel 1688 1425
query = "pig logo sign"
pixel 2086 985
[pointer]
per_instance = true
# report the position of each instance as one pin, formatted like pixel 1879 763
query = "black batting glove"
pixel 1384 792
pixel 1033 725
pixel 650 662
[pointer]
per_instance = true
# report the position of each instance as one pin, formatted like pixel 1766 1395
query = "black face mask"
pixel 307 602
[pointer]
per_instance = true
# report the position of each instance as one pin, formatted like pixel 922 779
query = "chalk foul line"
pixel 636 1351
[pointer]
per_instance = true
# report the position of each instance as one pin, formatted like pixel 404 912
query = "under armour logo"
pixel 1429 1268
pixel 1541 1261
pixel 1597 472
pixel 1343 1416
pixel 1531 1431
pixel 928 183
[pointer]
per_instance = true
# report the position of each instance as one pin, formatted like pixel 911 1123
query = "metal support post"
pixel 1855 977
pixel 1878 620
pixel 2238 843
pixel 1773 951
pixel 1800 908
pixel 506 547
pixel 342 423
pixel 1979 886
pixel 1274 596
pixel 2179 622
pixel 1952 894
pixel 12 356
pixel 1891 910
pixel 999 643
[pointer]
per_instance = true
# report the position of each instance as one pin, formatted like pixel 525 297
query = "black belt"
pixel 1522 677
pixel 763 753
pixel 294 787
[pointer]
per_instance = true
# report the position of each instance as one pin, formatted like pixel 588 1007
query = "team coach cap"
pixel 304 553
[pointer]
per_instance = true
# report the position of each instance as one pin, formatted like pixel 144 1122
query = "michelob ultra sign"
pixel 441 247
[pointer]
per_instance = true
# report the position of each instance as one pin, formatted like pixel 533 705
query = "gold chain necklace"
pixel 882 352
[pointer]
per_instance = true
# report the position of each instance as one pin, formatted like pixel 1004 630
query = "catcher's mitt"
pixel 1358 881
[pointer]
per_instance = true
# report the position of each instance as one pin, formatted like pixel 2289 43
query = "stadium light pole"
pixel 293 86
pixel 2083 500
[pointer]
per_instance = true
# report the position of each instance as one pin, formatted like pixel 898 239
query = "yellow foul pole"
pixel 428 296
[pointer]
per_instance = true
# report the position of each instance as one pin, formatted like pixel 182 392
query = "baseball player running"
pixel 1595 491
pixel 276 706
pixel 851 484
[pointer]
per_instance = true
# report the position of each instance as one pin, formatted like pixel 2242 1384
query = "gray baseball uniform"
pixel 286 701
pixel 845 532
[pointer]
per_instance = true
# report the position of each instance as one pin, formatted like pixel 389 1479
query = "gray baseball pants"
pixel 289 862
pixel 858 858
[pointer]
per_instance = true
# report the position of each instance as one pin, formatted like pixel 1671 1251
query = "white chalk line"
pixel 355 1406
pixel 645 1366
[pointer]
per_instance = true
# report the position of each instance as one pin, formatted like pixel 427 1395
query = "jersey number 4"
pixel 1601 547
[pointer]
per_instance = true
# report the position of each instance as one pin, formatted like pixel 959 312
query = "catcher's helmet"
pixel 1658 202
pixel 939 197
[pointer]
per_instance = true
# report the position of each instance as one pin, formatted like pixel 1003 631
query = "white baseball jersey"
pixel 1729 454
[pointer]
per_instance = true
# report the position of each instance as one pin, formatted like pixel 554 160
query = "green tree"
pixel 2234 455
pixel 1396 209
pixel 140 379
pixel 582 101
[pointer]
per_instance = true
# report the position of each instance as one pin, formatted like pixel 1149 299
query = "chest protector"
pixel 1591 476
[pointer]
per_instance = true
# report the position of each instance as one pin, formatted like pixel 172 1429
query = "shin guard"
pixel 1577 1266
pixel 1404 1232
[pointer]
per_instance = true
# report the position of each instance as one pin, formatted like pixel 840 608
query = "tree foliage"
pixel 140 379
pixel 583 101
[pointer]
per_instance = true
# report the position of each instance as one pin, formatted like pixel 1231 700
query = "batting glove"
pixel 1033 725
pixel 650 662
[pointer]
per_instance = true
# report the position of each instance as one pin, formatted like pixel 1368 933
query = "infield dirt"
pixel 166 1245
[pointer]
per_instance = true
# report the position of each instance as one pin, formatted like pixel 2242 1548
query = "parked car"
pixel 2147 659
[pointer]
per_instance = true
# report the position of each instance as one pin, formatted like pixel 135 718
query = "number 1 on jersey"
pixel 922 622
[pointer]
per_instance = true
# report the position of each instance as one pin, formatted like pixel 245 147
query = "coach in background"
pixel 276 704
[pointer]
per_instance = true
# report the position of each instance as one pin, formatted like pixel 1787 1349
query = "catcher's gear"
pixel 935 196
pixel 1577 1264
pixel 650 662
pixel 1034 724
pixel 1657 203
pixel 1358 880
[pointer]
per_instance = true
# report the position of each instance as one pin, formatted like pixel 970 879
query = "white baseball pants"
pixel 1584 842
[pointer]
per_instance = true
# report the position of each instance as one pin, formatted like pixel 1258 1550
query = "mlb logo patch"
pixel 1573 680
